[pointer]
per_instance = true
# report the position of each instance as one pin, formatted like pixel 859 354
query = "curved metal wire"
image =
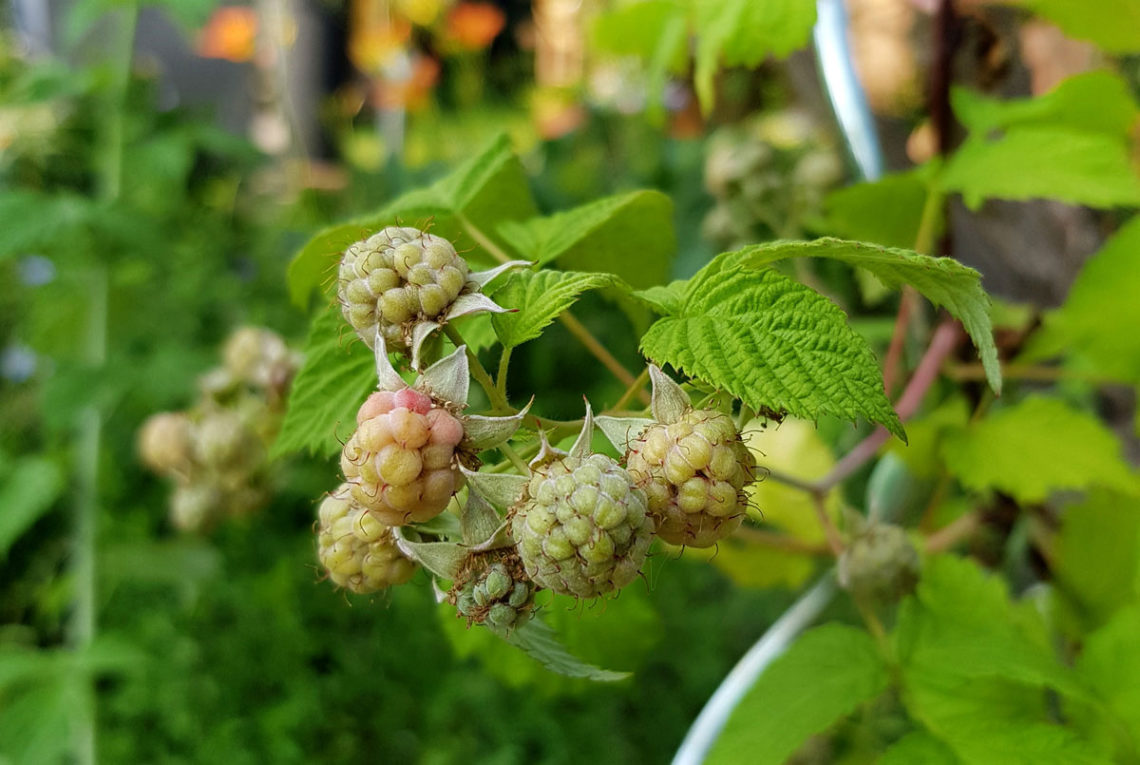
pixel 848 101
pixel 708 725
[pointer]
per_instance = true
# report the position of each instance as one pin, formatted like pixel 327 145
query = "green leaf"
pixel 1111 664
pixel 995 721
pixel 961 622
pixel 539 296
pixel 918 747
pixel 1036 447
pixel 338 374
pixel 27 492
pixel 1084 168
pixel 887 211
pixel 1114 25
pixel 644 29
pixel 664 299
pixel 923 454
pixel 36 722
pixel 619 634
pixel 630 235
pixel 541 644
pixel 744 33
pixel 313 268
pixel 772 342
pixel 30 220
pixel 973 673
pixel 1097 553
pixel 483 192
pixel 1097 102
pixel 942 281
pixel 1095 325
pixel 823 677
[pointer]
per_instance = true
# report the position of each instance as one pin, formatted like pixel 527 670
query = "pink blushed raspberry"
pixel 400 463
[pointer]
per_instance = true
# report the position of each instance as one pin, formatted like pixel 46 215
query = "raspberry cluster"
pixel 693 472
pixel 357 550
pixel 396 278
pixel 582 526
pixel 216 452
pixel 764 173
pixel 400 462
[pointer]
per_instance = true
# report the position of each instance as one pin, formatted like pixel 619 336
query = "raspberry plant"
pixel 475 488
pixel 737 363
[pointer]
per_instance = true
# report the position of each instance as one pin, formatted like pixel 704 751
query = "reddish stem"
pixel 942 344
pixel 893 364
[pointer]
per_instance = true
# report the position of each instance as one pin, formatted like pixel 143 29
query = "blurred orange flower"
pixel 411 94
pixel 230 34
pixel 472 26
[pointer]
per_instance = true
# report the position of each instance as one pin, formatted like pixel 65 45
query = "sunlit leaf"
pixel 823 677
pixel 772 343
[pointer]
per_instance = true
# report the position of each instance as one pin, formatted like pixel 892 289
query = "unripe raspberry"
pixel 693 472
pixel 195 507
pixel 492 588
pixel 356 548
pixel 164 443
pixel 732 157
pixel 881 564
pixel 401 462
pixel 396 278
pixel 221 440
pixel 260 357
pixel 582 527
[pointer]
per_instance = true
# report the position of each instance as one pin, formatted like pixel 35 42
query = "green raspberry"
pixel 493 589
pixel 396 278
pixel 356 548
pixel 260 357
pixel 880 565
pixel 581 526
pixel 221 441
pixel 693 472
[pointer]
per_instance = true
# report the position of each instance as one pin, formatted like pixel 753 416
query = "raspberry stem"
pixel 501 377
pixel 514 457
pixel 834 539
pixel 579 330
pixel 498 401
pixel 634 389
pixel 953 532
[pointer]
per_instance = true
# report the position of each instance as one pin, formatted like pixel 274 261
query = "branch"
pixel 942 344
pixel 778 541
pixel 953 533
pixel 1035 373
pixel 893 363
pixel 834 538
pixel 498 401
